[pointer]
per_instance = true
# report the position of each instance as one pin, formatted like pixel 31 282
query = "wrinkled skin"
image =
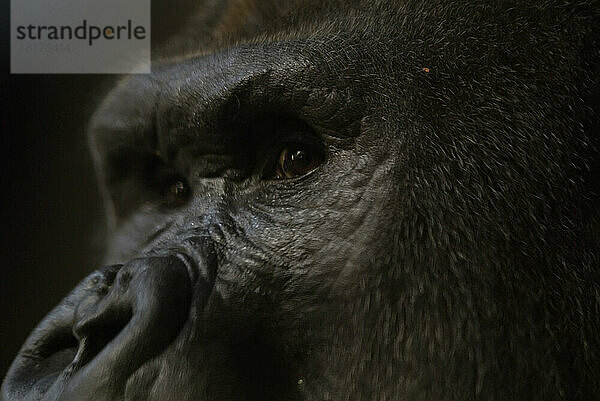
pixel 444 246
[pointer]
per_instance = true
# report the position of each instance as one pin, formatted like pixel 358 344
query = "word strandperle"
pixel 84 31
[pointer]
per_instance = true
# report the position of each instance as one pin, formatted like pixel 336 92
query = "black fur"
pixel 446 249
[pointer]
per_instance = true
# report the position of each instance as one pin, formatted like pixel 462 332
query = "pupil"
pixel 298 155
pixel 178 188
pixel 177 193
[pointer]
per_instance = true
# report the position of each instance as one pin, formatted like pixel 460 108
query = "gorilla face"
pixel 389 203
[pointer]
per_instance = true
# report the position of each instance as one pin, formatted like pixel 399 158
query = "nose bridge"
pixel 195 240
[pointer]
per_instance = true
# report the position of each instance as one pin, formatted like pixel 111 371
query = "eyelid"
pixel 308 139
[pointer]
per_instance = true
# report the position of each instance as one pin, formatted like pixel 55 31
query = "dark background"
pixel 52 216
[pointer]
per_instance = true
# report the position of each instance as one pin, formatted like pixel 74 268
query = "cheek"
pixel 328 222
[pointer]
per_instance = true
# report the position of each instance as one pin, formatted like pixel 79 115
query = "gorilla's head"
pixel 334 201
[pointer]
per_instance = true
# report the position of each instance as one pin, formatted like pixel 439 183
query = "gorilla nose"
pixel 131 312
pixel 117 319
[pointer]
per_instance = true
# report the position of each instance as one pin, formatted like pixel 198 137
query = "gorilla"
pixel 344 200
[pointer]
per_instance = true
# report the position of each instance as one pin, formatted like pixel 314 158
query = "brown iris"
pixel 296 160
pixel 177 193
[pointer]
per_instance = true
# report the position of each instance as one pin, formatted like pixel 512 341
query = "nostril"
pixel 53 352
pixel 124 280
pixel 114 321
pixel 50 353
pixel 95 333
pixel 98 319
pixel 99 283
pixel 105 277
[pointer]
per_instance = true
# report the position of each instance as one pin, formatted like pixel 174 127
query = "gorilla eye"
pixel 296 160
pixel 177 193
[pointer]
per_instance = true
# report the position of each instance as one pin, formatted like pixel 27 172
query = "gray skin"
pixel 442 245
